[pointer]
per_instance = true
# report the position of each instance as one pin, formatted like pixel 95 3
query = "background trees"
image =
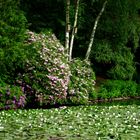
pixel 12 56
pixel 116 39
pixel 114 52
pixel 12 35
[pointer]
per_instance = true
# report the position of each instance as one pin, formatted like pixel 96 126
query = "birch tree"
pixel 74 30
pixel 70 41
pixel 94 30
pixel 67 33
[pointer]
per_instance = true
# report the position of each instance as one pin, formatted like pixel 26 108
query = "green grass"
pixel 72 123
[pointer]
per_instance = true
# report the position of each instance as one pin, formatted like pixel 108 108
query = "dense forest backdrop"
pixel 115 52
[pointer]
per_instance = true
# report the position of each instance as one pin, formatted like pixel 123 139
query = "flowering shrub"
pixel 82 81
pixel 47 69
pixel 48 80
pixel 11 97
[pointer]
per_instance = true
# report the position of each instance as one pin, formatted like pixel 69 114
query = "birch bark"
pixel 67 32
pixel 94 30
pixel 74 30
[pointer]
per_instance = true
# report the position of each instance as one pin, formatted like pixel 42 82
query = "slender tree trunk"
pixel 94 30
pixel 74 31
pixel 67 32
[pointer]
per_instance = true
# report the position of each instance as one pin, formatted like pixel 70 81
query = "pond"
pixel 96 122
pixel 120 102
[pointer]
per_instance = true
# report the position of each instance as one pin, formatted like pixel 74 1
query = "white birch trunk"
pixel 67 32
pixel 74 30
pixel 94 30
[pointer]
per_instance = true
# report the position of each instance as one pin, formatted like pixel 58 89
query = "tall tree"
pixel 94 30
pixel 67 32
pixel 74 30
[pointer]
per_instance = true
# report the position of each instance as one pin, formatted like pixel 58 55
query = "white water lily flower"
pixel 70 127
pixel 126 121
pixel 1 127
pixel 96 133
pixel 60 128
pixel 134 126
pixel 129 125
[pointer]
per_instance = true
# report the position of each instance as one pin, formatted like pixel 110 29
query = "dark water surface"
pixel 120 102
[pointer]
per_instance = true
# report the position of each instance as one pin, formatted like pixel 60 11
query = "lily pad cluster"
pixel 82 122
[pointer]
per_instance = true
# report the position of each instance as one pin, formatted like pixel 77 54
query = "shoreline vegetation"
pixel 104 102
pixel 96 100
pixel 113 99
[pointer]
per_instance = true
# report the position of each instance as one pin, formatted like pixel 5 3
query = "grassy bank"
pixel 107 89
pixel 72 123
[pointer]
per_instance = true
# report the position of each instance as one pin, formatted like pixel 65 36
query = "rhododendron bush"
pixel 49 78
pixel 45 80
pixel 11 96
pixel 82 81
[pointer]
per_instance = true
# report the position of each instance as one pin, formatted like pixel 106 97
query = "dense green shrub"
pixel 124 67
pixel 118 61
pixel 118 88
pixel 11 97
pixel 116 40
pixel 138 89
pixel 12 35
pixel 82 81
pixel 46 75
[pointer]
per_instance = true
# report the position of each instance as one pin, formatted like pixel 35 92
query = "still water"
pixel 121 102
